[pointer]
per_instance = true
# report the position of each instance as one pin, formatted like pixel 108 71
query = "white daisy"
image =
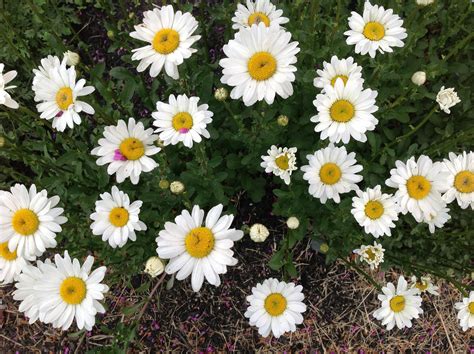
pixel 419 184
pixel 372 255
pixel 5 98
pixel 466 312
pixel 460 179
pixel 275 306
pixel 256 12
pixel 127 149
pixel 204 251
pixel 331 171
pixel 345 111
pixel 169 37
pixel 116 219
pixel 56 88
pixel 182 120
pixel 376 30
pixel 29 220
pixel 424 284
pixel 437 219
pixel 259 64
pixel 10 264
pixel 280 161
pixel 399 306
pixel 344 69
pixel 375 211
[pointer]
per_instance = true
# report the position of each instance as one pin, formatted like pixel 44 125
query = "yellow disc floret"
pixel 418 187
pixel 342 111
pixel 262 66
pixel 166 41
pixel 119 217
pixel 397 303
pixel 464 182
pixel 330 173
pixel 373 209
pixel 258 17
pixel 132 148
pixel 73 290
pixel 282 162
pixel 199 242
pixel 182 122
pixel 64 98
pixel 5 252
pixel 275 304
pixel 374 31
pixel 25 222
pixel 344 78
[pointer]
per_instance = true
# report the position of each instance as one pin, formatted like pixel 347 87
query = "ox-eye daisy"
pixel 203 251
pixel 372 255
pixel 466 312
pixel 5 78
pixel 182 120
pixel 280 161
pixel 344 69
pixel 169 37
pixel 10 264
pixel 259 11
pixel 460 179
pixel 126 148
pixel 260 64
pixel 424 284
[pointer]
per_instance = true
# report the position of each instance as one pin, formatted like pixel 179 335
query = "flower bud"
pixel 2 141
pixel 283 120
pixel 221 94
pixel 447 98
pixel 154 266
pixel 72 58
pixel 419 78
pixel 324 248
pixel 259 233
pixel 176 187
pixel 160 143
pixel 293 222
pixel 131 15
pixel 110 34
pixel 164 184
pixel 424 2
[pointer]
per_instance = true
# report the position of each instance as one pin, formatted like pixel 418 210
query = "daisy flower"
pixel 5 98
pixel 372 255
pixel 419 183
pixel 169 37
pixel 375 211
pixel 116 219
pixel 344 69
pixel 182 120
pixel 126 148
pixel 280 161
pixel 424 284
pixel 331 171
pixel 399 306
pixel 29 220
pixel 259 11
pixel 345 111
pixel 466 312
pixel 460 179
pixel 437 219
pixel 203 251
pixel 57 91
pixel 10 264
pixel 275 306
pixel 376 30
pixel 259 64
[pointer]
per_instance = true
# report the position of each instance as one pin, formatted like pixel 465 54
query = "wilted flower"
pixel 259 233
pixel 176 187
pixel 154 266
pixel 419 78
pixel 221 94
pixel 447 98
pixel 293 222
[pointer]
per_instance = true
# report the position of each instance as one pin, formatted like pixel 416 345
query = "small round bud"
pixel 419 78
pixel 245 229
pixel 324 248
pixel 164 184
pixel 293 222
pixel 259 233
pixel 154 266
pixel 221 94
pixel 131 15
pixel 72 58
pixel 176 187
pixel 110 34
pixel 283 120
pixel 2 141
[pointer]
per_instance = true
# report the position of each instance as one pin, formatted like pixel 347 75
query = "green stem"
pixel 362 272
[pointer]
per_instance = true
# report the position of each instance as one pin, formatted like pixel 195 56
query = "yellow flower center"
pixel 166 41
pixel 25 222
pixel 374 209
pixel 471 308
pixel 5 252
pixel 422 286
pixel 118 217
pixel 464 182
pixel 343 77
pixel 330 173
pixel 342 111
pixel 182 122
pixel 132 148
pixel 275 304
pixel 397 303
pixel 370 254
pixel 262 66
pixel 418 187
pixel 257 17
pixel 282 162
pixel 374 31
pixel 199 242
pixel 73 290
pixel 64 98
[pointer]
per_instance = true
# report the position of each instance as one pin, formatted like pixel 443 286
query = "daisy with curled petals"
pixel 10 264
pixel 466 312
pixel 203 251
pixel 460 179
pixel 29 220
pixel 116 219
pixel 275 306
pixel 47 65
pixel 331 171
pixel 182 120
pixel 399 306
pixel 345 111
pixel 419 183
pixel 5 98
pixel 376 30
pixel 372 255
pixel 280 161
pixel 260 64
pixel 126 148
pixel 169 37
pixel 344 69
pixel 259 11
pixel 424 284
pixel 437 219
pixel 375 211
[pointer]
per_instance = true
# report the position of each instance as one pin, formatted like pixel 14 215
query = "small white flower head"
pixel 10 264
pixel 447 98
pixel 116 219
pixel 424 284
pixel 372 255
pixel 466 312
pixel 376 30
pixel 154 266
pixel 343 69
pixel 424 2
pixel 375 211
pixel 5 78
pixel 331 171
pixel 259 233
pixel 437 219
pixel 182 120
pixel 293 222
pixel 169 37
pixel 275 307
pixel 419 78
pixel 256 12
pixel 282 120
pixel 72 58
pixel 177 187
pixel 399 305
pixel 280 161
pixel 221 94
pixel 127 149
pixel 460 179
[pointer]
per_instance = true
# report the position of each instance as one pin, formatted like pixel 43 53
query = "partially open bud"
pixel 72 58
pixel 176 187
pixel 283 120
pixel 221 94
pixel 293 222
pixel 154 266
pixel 419 78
